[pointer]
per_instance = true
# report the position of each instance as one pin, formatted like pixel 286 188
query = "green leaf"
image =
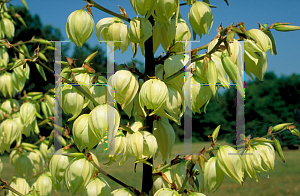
pixel 41 70
pixel 25 4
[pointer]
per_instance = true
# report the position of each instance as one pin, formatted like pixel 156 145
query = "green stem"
pixel 108 11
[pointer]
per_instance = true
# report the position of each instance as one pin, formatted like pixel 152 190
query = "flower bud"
pixel 165 136
pixel 153 94
pixel 189 2
pixel 27 113
pixel 6 86
pixel 44 185
pixel 122 192
pixel 80 27
pixel 143 7
pixel 8 27
pixel 230 163
pixel 285 28
pixel 58 165
pixel 98 121
pixel 23 166
pixel 166 191
pixel 126 87
pixel 267 154
pixel 200 18
pixel 159 182
pixel 113 29
pixel 83 136
pixel 98 187
pixel 142 145
pixel 295 132
pixel 213 175
pixel 38 160
pixel 79 173
pixel 72 101
pixel 19 184
pixel 280 126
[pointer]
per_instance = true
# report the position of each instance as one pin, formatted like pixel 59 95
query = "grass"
pixel 283 181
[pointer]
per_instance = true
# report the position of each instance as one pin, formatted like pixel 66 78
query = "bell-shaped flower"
pixel 143 7
pixel 164 11
pixel 80 27
pixel 256 63
pixel 83 136
pixel 19 184
pixel 172 108
pixel 58 165
pixel 79 173
pixel 200 18
pixel 8 27
pixel 142 145
pixel 43 185
pixel 201 94
pixel 10 130
pixel 139 31
pixel 267 154
pixel 98 121
pixel 4 58
pixel 116 151
pixel 113 29
pixel 122 192
pixel 263 43
pixel 213 175
pixel 253 162
pixel 6 86
pixel 38 160
pixel 47 153
pixel 27 113
pixel 97 186
pixel 153 94
pixel 19 76
pixel 231 163
pixel 72 101
pixel 125 85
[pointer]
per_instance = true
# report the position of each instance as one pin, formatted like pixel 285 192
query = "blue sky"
pixel 56 12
